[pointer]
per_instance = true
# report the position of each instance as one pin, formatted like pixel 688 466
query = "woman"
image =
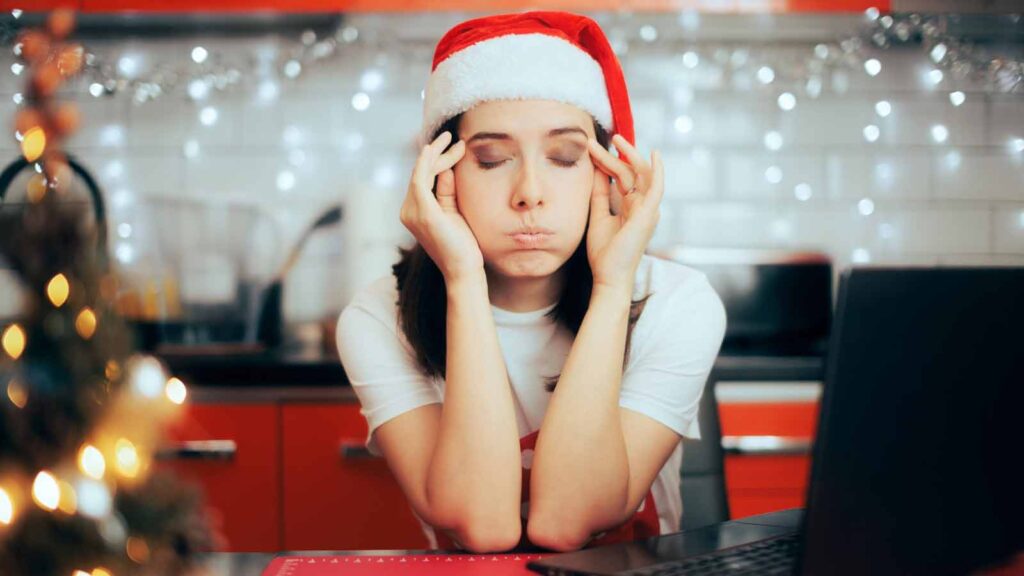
pixel 528 372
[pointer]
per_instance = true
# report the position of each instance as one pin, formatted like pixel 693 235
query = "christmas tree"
pixel 81 414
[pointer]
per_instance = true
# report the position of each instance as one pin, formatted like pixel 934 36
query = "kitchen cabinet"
pixel 233 451
pixel 335 493
pixel 283 475
pixel 767 443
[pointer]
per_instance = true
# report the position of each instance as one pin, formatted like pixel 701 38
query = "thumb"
pixel 445 191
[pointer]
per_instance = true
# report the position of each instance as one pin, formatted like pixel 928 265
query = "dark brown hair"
pixel 423 299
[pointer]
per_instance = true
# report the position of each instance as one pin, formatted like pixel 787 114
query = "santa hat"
pixel 533 55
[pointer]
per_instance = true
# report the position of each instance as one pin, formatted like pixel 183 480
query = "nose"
pixel 527 192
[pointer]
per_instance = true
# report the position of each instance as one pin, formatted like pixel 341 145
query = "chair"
pixel 703 477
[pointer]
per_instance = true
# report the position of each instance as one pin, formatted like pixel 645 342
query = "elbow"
pixel 486 537
pixel 557 535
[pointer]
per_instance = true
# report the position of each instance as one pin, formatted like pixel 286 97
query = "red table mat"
pixel 421 564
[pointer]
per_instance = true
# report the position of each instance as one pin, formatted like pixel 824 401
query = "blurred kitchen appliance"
pixel 15 180
pixel 776 302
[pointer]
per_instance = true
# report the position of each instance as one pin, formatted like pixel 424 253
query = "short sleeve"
pixel 380 367
pixel 669 366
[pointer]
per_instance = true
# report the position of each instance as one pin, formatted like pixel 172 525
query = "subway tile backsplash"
pixel 928 184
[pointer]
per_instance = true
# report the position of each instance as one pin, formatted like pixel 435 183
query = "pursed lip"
pixel 531 236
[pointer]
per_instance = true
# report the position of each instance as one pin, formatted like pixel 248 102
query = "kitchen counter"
pixel 310 374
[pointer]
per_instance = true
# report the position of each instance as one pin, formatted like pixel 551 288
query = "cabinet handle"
pixel 199 450
pixel 351 450
pixel 766 445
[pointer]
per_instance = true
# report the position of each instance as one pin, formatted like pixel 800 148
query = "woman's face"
pixel 524 184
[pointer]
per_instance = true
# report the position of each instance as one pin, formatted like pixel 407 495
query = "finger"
pixel 615 167
pixel 630 152
pixel 446 191
pixel 600 195
pixel 450 158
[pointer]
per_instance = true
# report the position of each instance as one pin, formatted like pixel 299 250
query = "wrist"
pixel 614 294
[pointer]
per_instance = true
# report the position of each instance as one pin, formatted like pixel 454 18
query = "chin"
pixel 527 263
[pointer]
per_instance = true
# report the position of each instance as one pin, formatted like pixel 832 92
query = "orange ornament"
pixel 66 119
pixel 34 46
pixel 28 119
pixel 47 79
pixel 61 23
pixel 69 62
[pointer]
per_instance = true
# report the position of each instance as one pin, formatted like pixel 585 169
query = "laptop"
pixel 919 443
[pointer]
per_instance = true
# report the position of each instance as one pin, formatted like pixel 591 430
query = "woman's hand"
pixel 434 218
pixel 615 242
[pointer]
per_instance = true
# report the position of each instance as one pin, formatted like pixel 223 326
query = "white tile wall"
pixel 958 202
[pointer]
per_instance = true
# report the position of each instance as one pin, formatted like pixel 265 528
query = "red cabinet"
pixel 335 494
pixel 233 451
pixel 291 476
pixel 770 464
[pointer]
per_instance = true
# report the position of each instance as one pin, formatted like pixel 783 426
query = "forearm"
pixel 475 474
pixel 580 477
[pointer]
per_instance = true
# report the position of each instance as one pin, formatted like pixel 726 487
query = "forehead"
pixel 524 118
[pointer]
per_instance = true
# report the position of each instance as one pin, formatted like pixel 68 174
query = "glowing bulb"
pixel 772 140
pixel 802 192
pixel 866 206
pixel 268 91
pixel 883 108
pixel 208 116
pixel 127 458
pixel 871 13
pixel 1017 145
pixel 96 89
pixel 33 143
pixel 957 98
pixel 765 75
pixel 16 68
pixel 683 124
pixel 935 76
pixel 371 80
pixel 148 377
pixel 6 507
pixel 938 52
pixel 292 69
pixel 13 341
pixel 285 180
pixel 91 462
pixel 872 66
pixel 861 256
pixel 940 133
pixel 787 101
pixel 85 323
pixel 17 393
pixel 175 391
pixel 199 54
pixel 648 33
pixel 101 572
pixel 871 133
pixel 68 499
pixel 773 175
pixel 94 498
pixel 45 491
pixel 691 59
pixel 58 289
pixel 361 101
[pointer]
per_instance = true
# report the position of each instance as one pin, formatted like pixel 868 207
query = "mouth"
pixel 531 239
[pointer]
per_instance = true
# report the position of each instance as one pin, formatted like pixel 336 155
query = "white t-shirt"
pixel 672 349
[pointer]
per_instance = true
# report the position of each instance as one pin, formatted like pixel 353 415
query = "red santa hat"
pixel 532 55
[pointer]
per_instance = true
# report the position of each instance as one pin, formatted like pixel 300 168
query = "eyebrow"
pixel 504 136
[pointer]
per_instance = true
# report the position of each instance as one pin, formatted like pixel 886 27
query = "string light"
pixel 148 377
pixel 883 108
pixel 91 462
pixel 33 143
pixel 85 323
pixel 16 393
pixel 957 98
pixel 58 290
pixel 6 507
pixel 126 458
pixel 871 133
pixel 176 391
pixel 13 341
pixel 45 491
